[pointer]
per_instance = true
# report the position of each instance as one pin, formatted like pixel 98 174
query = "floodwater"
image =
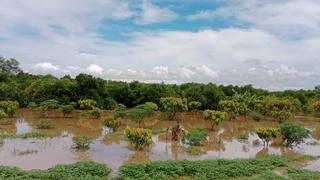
pixel 112 149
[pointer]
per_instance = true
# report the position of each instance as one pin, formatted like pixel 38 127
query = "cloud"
pixel 287 18
pixel 93 68
pixel 45 67
pixel 160 71
pixel 153 14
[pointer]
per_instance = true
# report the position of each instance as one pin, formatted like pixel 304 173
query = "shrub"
pixel 140 112
pixel 112 123
pixel 2 114
pixel 282 115
pixel 97 113
pixel 66 110
pixel 315 106
pixel 32 105
pixel 172 105
pixel 293 134
pixel 9 107
pixel 110 103
pixel 50 104
pixel 119 111
pixel 139 137
pixel 195 137
pixel 87 104
pixel 194 106
pixel 45 124
pixel 214 117
pixel 256 116
pixel 194 150
pixel 82 142
pixel 267 134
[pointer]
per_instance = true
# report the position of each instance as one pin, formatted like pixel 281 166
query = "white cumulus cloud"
pixel 93 68
pixel 45 66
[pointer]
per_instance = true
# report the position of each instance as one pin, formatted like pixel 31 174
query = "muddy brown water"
pixel 112 149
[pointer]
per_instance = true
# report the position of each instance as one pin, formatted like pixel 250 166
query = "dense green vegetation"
pixel 215 169
pixel 82 142
pixel 79 170
pixel 139 137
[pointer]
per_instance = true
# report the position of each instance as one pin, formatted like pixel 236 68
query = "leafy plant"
pixel 140 112
pixel 267 134
pixel 112 123
pixel 45 124
pixel 196 137
pixel 32 105
pixel 281 116
pixel 214 117
pixel 139 137
pixel 82 142
pixel 96 113
pixel 194 150
pixel 119 111
pixel 87 104
pixel 172 105
pixel 293 134
pixel 9 107
pixel 194 106
pixel 66 109
pixel 256 116
pixel 3 114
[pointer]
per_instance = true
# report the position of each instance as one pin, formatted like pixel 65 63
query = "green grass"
pixel 254 168
pixel 156 131
pixel 193 150
pixel 80 170
pixel 45 124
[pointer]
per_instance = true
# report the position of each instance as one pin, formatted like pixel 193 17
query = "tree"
pixel 66 109
pixel 214 117
pixel 140 112
pixel 229 106
pixel 9 107
pixel 267 134
pixel 172 105
pixel 194 106
pixel 293 134
pixel 139 137
pixel 9 65
pixel 2 114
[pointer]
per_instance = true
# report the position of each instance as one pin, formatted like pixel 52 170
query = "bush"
pixel 9 107
pixel 139 137
pixel 194 150
pixel 140 112
pixel 256 116
pixel 82 142
pixel 293 134
pixel 112 123
pixel 119 111
pixel 87 104
pixel 267 134
pixel 96 113
pixel 194 106
pixel 32 105
pixel 110 104
pixel 45 124
pixel 79 170
pixel 3 114
pixel 214 117
pixel 195 137
pixel 66 110
pixel 50 104
pixel 282 116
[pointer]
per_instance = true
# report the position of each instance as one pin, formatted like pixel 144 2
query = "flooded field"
pixel 234 139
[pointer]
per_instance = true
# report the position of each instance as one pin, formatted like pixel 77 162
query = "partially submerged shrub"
pixel 256 116
pixel 214 117
pixel 9 107
pixel 66 109
pixel 50 104
pixel 112 123
pixel 194 150
pixel 82 142
pixel 45 124
pixel 172 105
pixel 196 137
pixel 293 134
pixel 96 113
pixel 140 112
pixel 282 116
pixel 119 111
pixel 267 134
pixel 139 137
pixel 194 106
pixel 32 105
pixel 3 114
pixel 87 104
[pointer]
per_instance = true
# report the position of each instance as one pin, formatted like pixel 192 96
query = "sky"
pixel 270 44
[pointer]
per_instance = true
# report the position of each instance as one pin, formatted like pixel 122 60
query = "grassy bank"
pixel 80 170
pixel 256 168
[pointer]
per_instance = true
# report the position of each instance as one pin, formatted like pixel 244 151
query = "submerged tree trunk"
pixel 176 132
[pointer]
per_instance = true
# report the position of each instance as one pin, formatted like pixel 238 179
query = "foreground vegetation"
pixel 79 170
pixel 256 168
